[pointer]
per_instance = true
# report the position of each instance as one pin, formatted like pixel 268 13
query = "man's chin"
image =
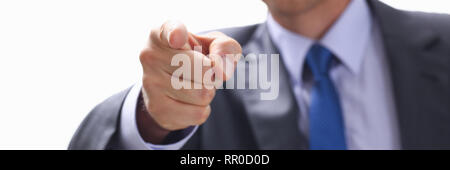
pixel 292 7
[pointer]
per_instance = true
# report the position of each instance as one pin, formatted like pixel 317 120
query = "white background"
pixel 59 58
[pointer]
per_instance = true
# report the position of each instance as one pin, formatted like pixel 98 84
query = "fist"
pixel 178 108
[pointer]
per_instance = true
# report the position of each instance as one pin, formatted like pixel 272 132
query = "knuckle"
pixel 229 42
pixel 227 45
pixel 233 45
pixel 146 56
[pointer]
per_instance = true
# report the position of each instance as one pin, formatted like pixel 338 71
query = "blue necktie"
pixel 326 129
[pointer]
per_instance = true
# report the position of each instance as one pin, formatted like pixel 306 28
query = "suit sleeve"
pixel 129 137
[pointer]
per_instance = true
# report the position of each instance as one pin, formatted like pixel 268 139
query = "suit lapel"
pixel 420 78
pixel 420 84
pixel 274 122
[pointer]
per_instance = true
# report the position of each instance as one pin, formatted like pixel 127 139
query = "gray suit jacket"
pixel 418 51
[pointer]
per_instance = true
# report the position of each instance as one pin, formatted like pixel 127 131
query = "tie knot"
pixel 319 60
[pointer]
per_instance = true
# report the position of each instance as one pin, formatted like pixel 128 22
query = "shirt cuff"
pixel 129 136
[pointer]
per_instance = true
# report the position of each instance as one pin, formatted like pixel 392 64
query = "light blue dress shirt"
pixel 361 78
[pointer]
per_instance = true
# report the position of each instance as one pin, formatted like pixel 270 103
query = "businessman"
pixel 354 74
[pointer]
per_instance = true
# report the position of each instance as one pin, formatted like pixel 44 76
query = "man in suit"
pixel 354 74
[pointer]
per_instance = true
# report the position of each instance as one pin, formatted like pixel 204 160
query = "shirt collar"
pixel 347 39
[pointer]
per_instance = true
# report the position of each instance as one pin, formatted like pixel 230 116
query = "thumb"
pixel 174 34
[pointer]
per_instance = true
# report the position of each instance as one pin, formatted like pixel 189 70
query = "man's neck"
pixel 315 22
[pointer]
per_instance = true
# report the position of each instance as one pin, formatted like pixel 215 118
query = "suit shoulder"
pixel 440 23
pixel 436 18
pixel 100 124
